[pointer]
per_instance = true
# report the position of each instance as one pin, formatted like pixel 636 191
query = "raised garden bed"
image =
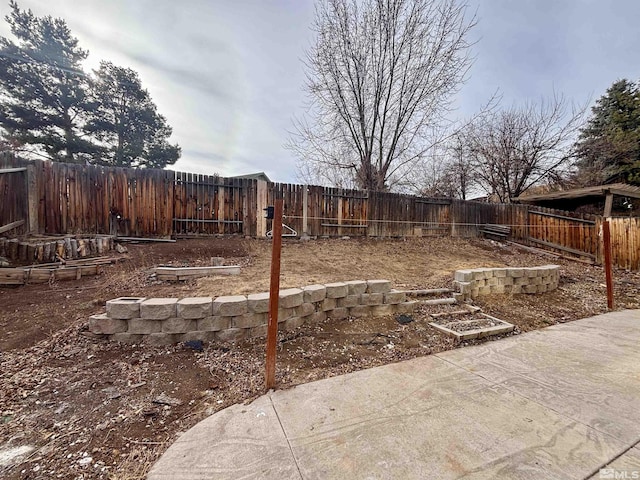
pixel 476 325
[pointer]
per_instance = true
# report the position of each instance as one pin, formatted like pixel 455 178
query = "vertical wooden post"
pixel 220 214
pixel 608 204
pixel 274 293
pixel 339 203
pixel 261 200
pixel 32 199
pixel 305 208
pixel 606 234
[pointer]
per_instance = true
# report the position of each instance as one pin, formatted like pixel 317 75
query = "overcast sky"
pixel 228 75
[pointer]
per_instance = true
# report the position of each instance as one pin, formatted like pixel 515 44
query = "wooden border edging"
pixel 560 247
pixel 187 273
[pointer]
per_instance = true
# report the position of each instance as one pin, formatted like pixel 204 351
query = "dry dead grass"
pixel 55 380
pixel 423 261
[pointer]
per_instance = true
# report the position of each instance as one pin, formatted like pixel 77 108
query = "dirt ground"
pixel 90 408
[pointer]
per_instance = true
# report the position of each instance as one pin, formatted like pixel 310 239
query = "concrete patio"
pixel 561 402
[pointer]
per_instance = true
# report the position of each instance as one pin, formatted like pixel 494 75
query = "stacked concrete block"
pixel 158 308
pixel 124 308
pixel 472 283
pixel 328 304
pixel 383 310
pixel 360 311
pixel 179 325
pixel 290 298
pixel 258 302
pixel 394 297
pixel 230 306
pixel 378 286
pixel 194 307
pixel 407 308
pixel 306 309
pixel 249 320
pixel 314 293
pixel 337 290
pixel 163 321
pixel 213 323
pixel 104 325
pixel 372 299
pixel 338 313
pixel 357 287
pixel 349 301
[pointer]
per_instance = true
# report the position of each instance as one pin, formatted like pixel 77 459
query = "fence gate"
pixel 207 204
pixel 14 201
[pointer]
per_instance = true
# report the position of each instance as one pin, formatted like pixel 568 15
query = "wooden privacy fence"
pixel 56 198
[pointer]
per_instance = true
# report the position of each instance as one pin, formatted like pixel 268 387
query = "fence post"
pixel 32 199
pixel 305 207
pixel 261 196
pixel 452 219
pixel 246 184
pixel 606 236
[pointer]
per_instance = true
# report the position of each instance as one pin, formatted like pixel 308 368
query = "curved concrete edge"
pixel 560 402
pixel 241 441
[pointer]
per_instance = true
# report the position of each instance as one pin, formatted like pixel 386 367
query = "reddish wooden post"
pixel 606 235
pixel 274 293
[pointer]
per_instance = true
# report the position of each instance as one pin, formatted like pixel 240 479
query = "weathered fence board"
pixel 625 242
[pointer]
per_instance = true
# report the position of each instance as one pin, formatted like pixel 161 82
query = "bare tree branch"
pixel 380 79
pixel 512 150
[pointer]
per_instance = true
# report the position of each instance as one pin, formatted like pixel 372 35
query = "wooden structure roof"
pixel 569 199
pixel 621 189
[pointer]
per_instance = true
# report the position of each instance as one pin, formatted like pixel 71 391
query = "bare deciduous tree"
pixel 515 149
pixel 459 170
pixel 380 79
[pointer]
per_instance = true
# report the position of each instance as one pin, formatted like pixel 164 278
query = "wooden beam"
pixel 12 170
pixel 427 292
pixel 563 217
pixel 141 239
pixel 433 202
pixel 338 225
pixel 608 203
pixel 11 226
pixel 561 247
pixel 198 271
pixel 199 220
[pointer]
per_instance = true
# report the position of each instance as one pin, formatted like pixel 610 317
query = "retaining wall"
pixel 486 281
pixel 163 321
